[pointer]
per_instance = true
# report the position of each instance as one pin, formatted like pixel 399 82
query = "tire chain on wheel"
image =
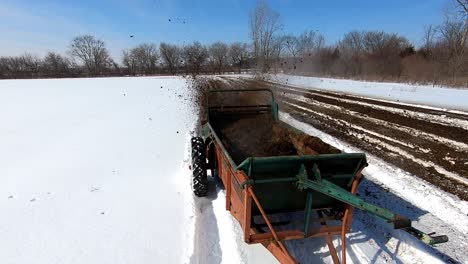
pixel 200 181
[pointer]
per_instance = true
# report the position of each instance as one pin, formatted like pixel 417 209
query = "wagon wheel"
pixel 200 181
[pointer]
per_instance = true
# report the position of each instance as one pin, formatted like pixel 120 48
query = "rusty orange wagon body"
pixel 278 198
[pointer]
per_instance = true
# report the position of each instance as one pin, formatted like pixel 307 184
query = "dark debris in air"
pixel 177 20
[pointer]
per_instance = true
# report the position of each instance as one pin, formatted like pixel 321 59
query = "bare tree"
pixel 15 65
pixel 451 35
pixel 277 50
pixel 195 56
pixel 4 69
pixel 463 4
pixel 264 26
pixel 351 49
pixel 170 55
pixel 129 61
pixel 9 66
pixel 371 53
pixel 30 62
pixel 141 59
pixel 219 55
pixel 463 10
pixel 428 38
pixel 292 45
pixel 309 42
pixel 352 43
pixel 238 54
pixel 299 51
pixel 56 65
pixel 147 57
pixel 379 42
pixel 374 41
pixel 92 53
pixel 23 66
pixel 30 65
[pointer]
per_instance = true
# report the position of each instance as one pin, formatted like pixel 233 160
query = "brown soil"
pixel 261 136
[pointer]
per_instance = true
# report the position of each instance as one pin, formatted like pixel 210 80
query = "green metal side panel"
pixel 284 196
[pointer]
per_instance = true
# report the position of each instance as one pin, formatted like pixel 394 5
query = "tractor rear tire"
pixel 200 181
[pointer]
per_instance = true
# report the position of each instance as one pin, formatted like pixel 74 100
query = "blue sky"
pixel 42 25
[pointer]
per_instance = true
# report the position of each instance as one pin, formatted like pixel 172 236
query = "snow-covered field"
pixel 98 171
pixel 91 171
pixel 428 95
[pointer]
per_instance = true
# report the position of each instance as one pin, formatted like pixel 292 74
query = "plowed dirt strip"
pixel 441 119
pixel 396 105
pixel 457 132
pixel 429 143
pixel 421 142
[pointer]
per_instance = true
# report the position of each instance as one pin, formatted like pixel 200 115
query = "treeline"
pixel 194 58
pixel 377 55
pixel 371 55
pixel 87 56
pixel 442 58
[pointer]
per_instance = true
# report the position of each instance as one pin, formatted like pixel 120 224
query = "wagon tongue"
pixel 312 179
pixel 429 239
pixel 403 223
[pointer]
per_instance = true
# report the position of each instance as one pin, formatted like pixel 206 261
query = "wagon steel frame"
pixel 240 207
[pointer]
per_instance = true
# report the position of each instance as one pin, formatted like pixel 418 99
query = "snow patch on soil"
pixel 456 144
pixel 438 119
